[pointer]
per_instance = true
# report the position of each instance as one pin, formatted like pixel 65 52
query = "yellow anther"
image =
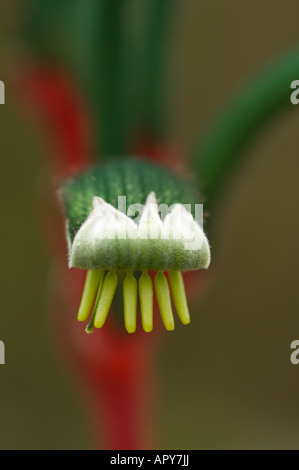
pixel 179 296
pixel 89 328
pixel 107 294
pixel 146 301
pixel 90 289
pixel 164 301
pixel 130 302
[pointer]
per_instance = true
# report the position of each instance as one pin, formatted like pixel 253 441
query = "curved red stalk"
pixel 56 100
pixel 115 367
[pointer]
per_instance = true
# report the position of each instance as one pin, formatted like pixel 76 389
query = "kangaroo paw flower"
pixel 105 236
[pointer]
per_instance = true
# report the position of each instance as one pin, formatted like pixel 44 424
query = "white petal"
pixel 106 239
pixel 150 224
pixel 104 222
pixel 180 225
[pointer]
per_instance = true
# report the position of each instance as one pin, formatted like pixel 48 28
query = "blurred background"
pixel 225 381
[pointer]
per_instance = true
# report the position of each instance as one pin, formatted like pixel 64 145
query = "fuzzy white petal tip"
pixel 109 239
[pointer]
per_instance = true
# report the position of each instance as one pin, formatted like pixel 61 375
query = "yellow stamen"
pixel 164 301
pixel 130 302
pixel 146 301
pixel 89 328
pixel 179 296
pixel 107 294
pixel 89 293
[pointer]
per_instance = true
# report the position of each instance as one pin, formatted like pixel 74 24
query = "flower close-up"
pixel 145 232
pixel 149 148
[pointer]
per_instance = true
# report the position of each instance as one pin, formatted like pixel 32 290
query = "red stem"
pixel 116 368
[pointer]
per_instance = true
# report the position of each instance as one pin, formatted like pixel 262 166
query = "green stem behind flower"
pixel 133 90
pixel 115 51
pixel 253 106
pixel 156 66
pixel 107 92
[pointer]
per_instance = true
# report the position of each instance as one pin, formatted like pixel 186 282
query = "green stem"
pixel 127 70
pixel 156 66
pixel 116 50
pixel 252 107
pixel 144 65
pixel 108 84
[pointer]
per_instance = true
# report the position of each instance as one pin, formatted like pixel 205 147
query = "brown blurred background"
pixel 225 381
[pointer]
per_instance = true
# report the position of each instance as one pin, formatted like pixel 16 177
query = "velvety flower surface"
pixel 133 216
